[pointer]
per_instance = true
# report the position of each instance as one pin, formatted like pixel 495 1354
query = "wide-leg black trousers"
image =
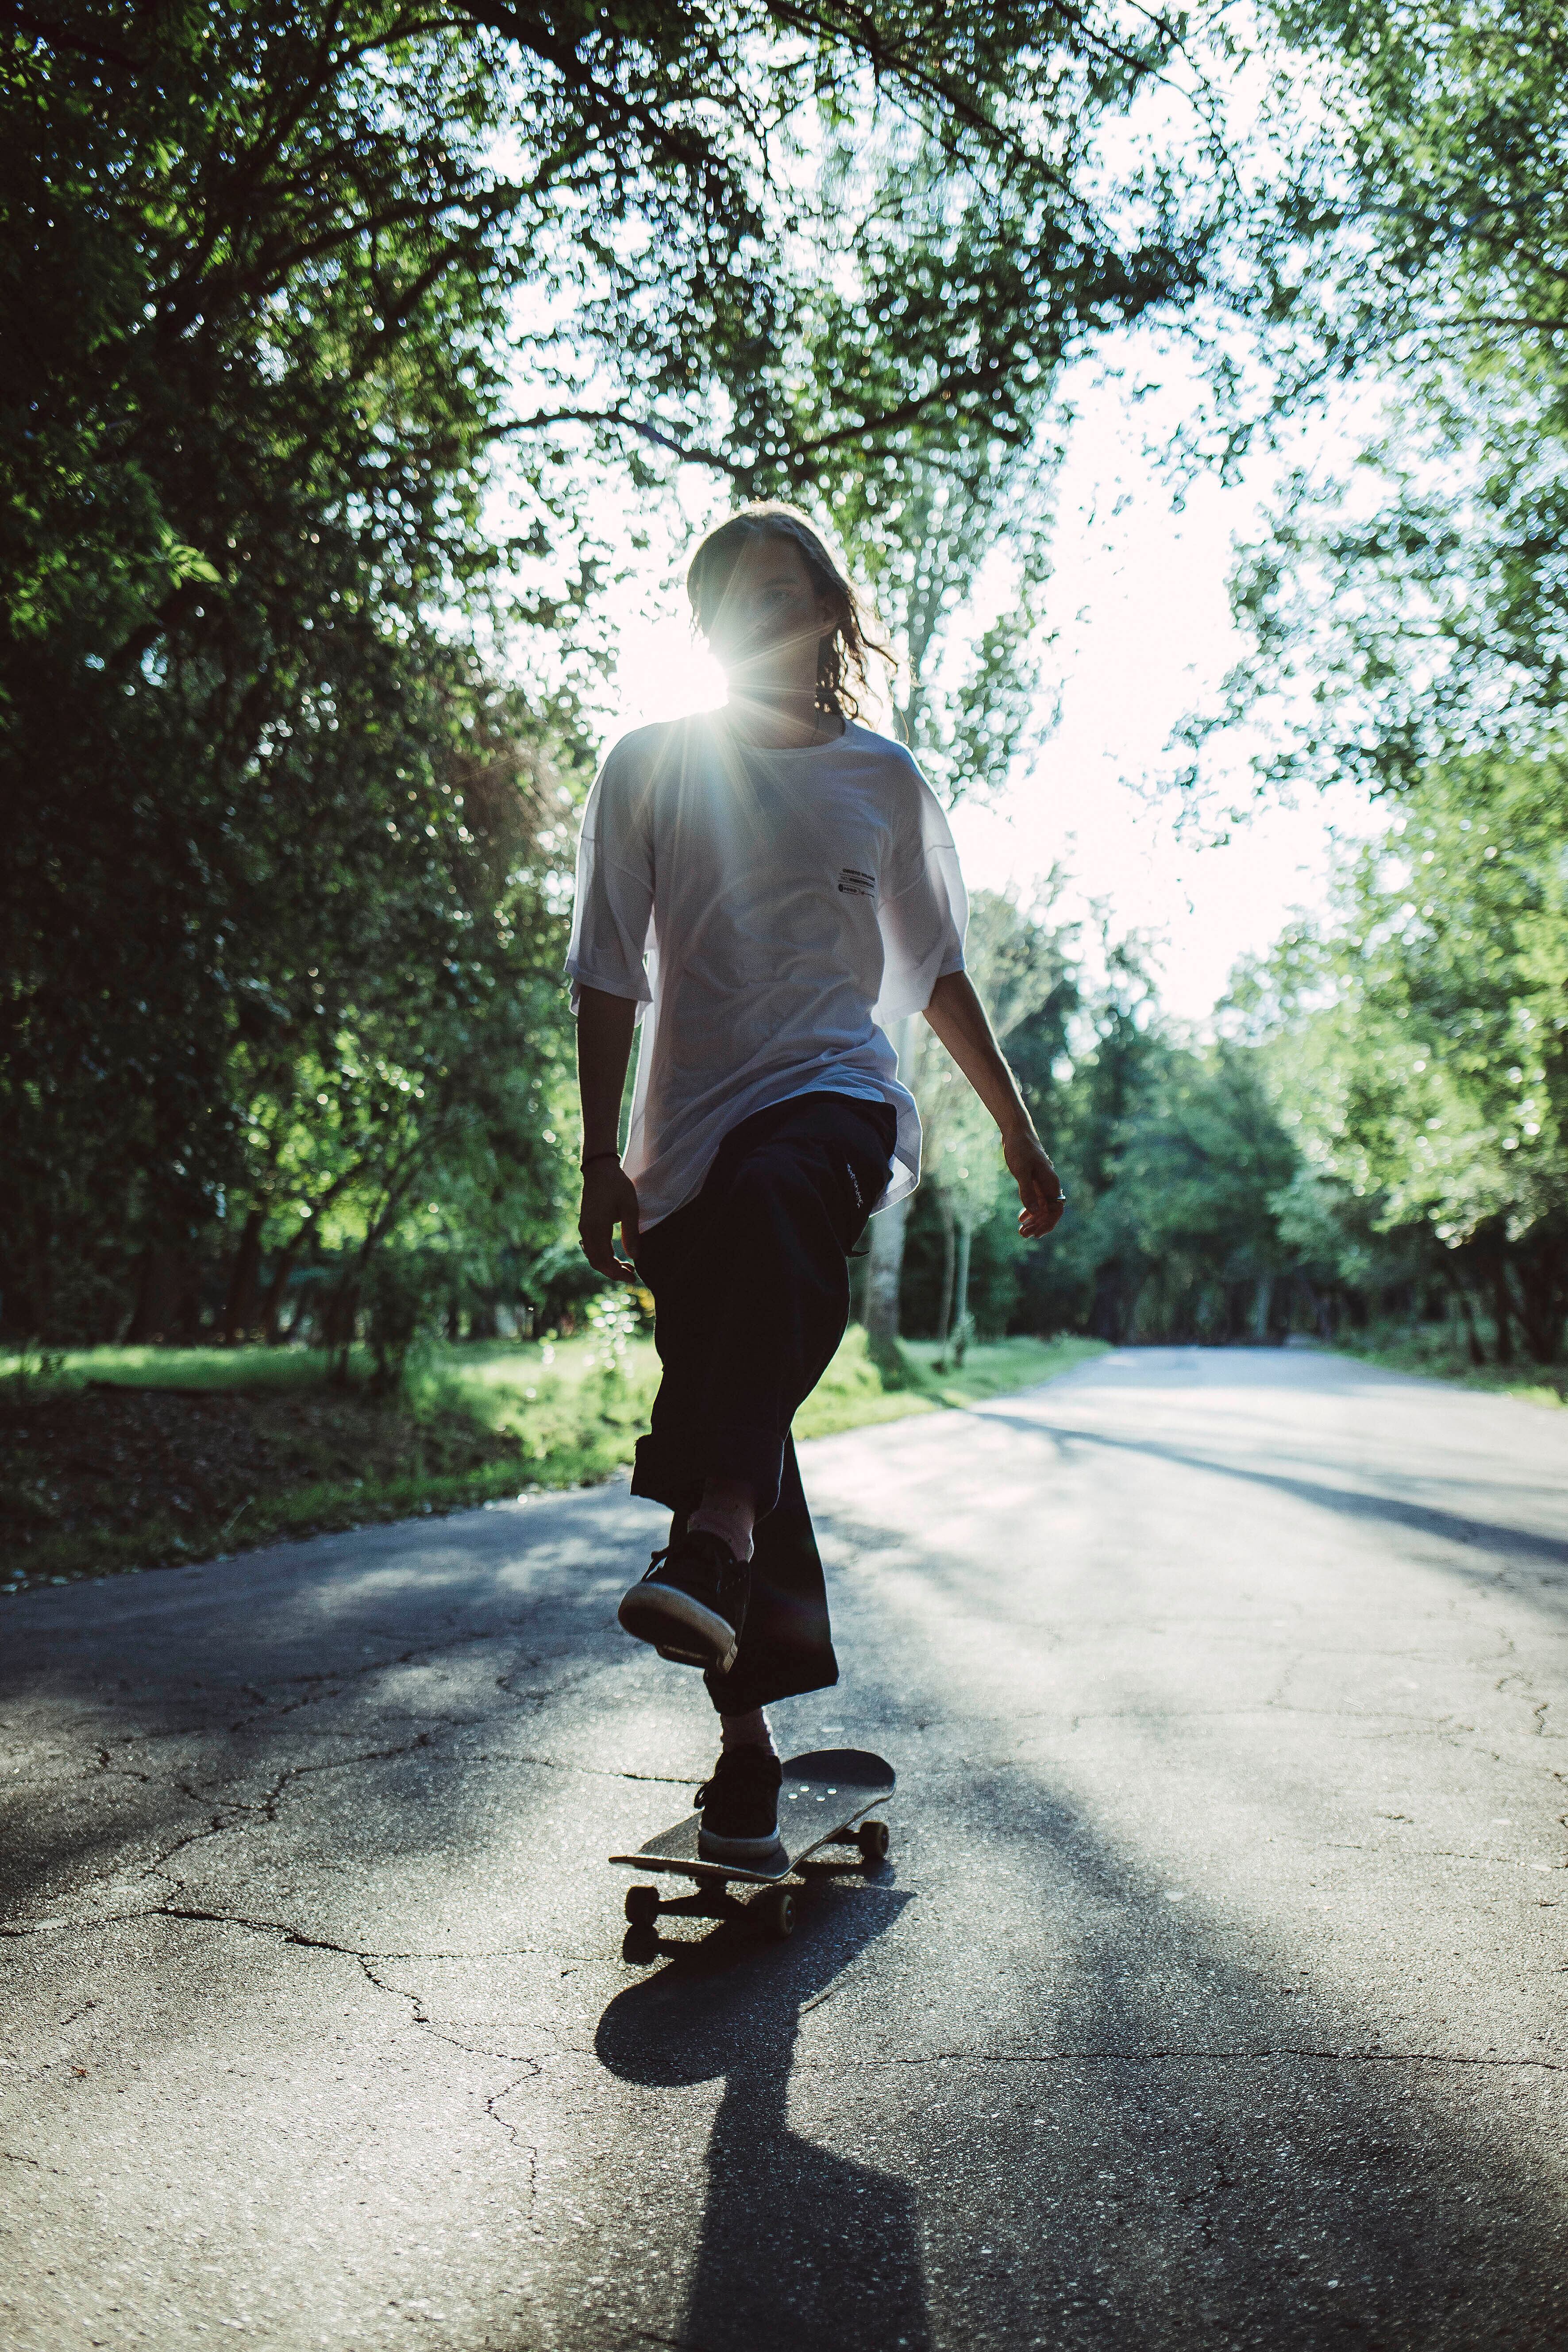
pixel 751 1289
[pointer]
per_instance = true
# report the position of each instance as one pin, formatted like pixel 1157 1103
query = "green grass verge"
pixel 248 1370
pixel 562 1411
pixel 1433 1352
pixel 128 1458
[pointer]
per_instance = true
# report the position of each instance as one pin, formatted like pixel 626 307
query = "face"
pixel 770 620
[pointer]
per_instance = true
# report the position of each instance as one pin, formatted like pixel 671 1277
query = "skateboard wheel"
pixel 872 1840
pixel 776 1914
pixel 642 1905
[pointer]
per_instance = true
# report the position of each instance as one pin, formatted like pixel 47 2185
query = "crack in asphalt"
pixel 590 1772
pixel 513 2132
pixel 314 1687
pixel 1181 2057
pixel 200 1916
pixel 421 2017
pixel 329 1686
pixel 299 1938
pixel 239 1812
pixel 244 1813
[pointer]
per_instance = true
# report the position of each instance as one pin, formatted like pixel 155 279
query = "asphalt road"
pixel 1214 1994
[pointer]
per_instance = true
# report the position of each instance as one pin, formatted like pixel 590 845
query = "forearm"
pixel 960 1020
pixel 605 1028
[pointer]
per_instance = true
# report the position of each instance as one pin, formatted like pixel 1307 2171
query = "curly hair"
pixel 842 657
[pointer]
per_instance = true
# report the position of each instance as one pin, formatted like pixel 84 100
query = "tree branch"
pixel 56 37
pixel 689 454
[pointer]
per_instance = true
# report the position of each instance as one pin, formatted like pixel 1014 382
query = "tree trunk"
pixel 1262 1300
pixel 961 1290
pixel 884 1272
pixel 340 1322
pixel 1503 1308
pixel 1477 1353
pixel 239 1306
pixel 272 1309
pixel 164 1298
pixel 1317 1307
pixel 888 1230
pixel 944 1304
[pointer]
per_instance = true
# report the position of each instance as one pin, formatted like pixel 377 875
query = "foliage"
pixel 1176 1160
pixel 1407 240
pixel 1021 964
pixel 284 878
pixel 1174 1231
pixel 1408 619
pixel 1425 1036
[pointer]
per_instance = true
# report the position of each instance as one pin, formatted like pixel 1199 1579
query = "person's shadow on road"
pixel 799 2248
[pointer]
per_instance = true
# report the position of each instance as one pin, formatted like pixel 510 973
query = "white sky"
pixel 1143 634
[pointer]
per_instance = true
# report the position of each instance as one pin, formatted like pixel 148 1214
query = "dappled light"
pixel 859 556
pixel 1209 1973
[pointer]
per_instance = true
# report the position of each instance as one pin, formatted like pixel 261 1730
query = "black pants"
pixel 751 1286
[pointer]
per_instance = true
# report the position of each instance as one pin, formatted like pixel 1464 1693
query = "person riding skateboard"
pixel 763 889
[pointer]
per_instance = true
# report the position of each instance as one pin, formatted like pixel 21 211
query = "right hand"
pixel 609 1199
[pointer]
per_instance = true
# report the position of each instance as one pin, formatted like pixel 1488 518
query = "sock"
pixel 727 1511
pixel 746 1731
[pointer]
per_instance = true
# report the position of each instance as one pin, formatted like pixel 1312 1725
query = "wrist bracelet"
pixel 596 1155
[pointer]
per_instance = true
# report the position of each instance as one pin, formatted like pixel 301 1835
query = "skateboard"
pixel 824 1801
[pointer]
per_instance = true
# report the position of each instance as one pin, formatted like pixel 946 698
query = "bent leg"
pixel 751 1291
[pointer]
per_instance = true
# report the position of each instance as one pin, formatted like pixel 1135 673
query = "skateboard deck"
pixel 825 1794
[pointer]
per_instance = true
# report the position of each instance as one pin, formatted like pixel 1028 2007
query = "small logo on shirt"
pixel 854 884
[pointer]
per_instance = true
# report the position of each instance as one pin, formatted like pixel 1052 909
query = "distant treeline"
pixel 1379 1132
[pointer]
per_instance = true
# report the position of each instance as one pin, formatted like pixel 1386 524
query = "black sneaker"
pixel 741 1807
pixel 691 1604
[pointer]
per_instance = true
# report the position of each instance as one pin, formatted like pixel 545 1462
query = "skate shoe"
pixel 741 1807
pixel 691 1604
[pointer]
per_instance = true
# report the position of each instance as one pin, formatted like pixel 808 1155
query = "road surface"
pixel 1214 1994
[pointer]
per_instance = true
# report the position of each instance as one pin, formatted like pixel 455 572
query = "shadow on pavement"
pixel 1187 2144
pixel 1452 1527
pixel 798 2246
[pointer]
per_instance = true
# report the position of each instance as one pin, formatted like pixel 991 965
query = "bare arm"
pixel 605 1027
pixel 959 1019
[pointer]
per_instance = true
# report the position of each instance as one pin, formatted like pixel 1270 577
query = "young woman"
pixel 765 888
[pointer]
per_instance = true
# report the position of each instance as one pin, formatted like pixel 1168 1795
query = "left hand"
pixel 1039 1186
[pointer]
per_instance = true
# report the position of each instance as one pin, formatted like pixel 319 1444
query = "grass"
pixel 1436 1351
pixel 245 1370
pixel 121 1458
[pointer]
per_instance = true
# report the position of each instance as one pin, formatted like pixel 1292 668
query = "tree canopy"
pixel 331 337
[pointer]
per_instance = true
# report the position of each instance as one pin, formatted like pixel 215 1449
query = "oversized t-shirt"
pixel 771 913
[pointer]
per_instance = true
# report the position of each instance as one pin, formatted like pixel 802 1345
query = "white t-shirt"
pixel 777 911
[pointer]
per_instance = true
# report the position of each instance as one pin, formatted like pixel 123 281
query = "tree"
pixel 1425 1046
pixel 1410 627
pixel 1020 965
pixel 278 287
pixel 1409 238
pixel 968 701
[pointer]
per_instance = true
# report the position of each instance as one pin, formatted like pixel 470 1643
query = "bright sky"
pixel 1143 634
